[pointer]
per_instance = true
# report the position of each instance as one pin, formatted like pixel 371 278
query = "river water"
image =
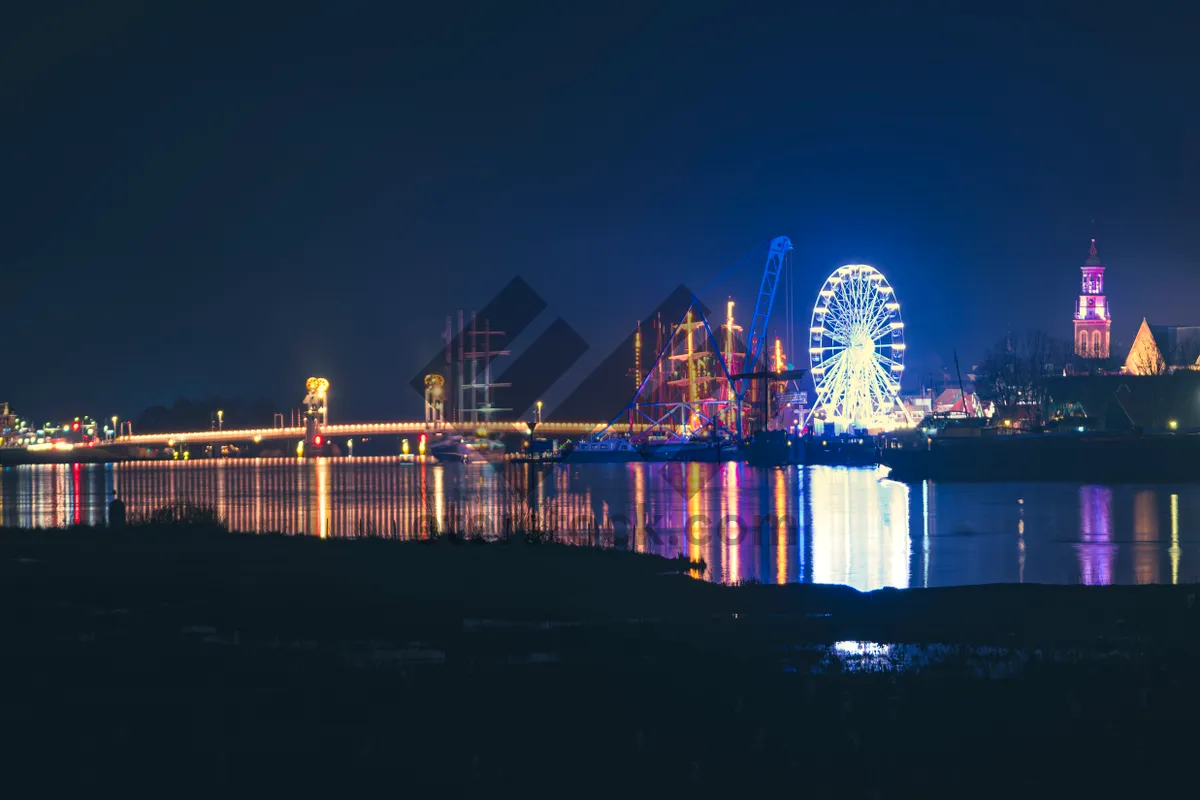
pixel 809 524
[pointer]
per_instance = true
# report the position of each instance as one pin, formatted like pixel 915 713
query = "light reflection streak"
pixel 1020 541
pixel 1175 552
pixel 803 528
pixel 1096 551
pixel 59 516
pixel 781 527
pixel 925 512
pixel 695 506
pixel 32 492
pixel 641 508
pixel 323 497
pixel 222 491
pixel 730 528
pixel 1145 530
pixel 258 495
pixel 76 495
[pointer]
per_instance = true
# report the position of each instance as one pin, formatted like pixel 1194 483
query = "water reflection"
pixel 1021 540
pixel 781 526
pixel 1175 552
pixel 1096 550
pixel 830 525
pixel 729 530
pixel 859 529
pixel 1145 534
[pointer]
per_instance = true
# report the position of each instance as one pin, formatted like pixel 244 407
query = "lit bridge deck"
pixel 359 429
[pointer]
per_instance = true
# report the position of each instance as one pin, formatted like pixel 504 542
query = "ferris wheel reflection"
pixel 859 529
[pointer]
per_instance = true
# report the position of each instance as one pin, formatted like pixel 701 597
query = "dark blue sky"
pixel 226 199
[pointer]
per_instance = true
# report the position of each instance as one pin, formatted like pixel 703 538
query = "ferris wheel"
pixel 856 349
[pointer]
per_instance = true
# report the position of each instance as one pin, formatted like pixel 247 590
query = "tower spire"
pixel 1093 317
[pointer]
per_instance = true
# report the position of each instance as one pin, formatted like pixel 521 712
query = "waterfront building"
pixel 953 401
pixel 9 424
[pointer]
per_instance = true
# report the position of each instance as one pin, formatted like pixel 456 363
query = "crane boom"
pixel 766 299
pixel 762 313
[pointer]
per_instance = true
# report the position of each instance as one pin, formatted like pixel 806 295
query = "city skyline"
pixel 257 209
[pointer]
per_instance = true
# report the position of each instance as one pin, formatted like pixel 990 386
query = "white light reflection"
pixel 859 649
pixel 925 537
pixel 859 530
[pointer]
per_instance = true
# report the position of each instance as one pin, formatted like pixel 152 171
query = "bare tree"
pixel 998 378
pixel 1017 368
pixel 1044 356
pixel 1146 361
pixel 1187 351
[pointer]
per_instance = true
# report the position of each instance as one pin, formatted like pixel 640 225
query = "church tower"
pixel 1093 317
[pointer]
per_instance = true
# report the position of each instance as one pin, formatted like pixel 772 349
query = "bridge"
pixel 359 429
pixel 318 435
pixel 316 429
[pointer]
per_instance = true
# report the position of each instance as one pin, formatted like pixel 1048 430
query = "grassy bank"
pixel 144 655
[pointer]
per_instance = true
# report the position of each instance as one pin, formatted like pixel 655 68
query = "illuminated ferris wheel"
pixel 856 348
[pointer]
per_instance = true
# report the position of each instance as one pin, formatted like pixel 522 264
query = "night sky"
pixel 228 197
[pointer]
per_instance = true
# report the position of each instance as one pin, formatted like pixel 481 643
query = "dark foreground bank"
pixel 180 659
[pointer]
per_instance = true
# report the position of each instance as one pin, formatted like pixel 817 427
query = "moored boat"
pixel 697 449
pixel 464 450
pixel 843 450
pixel 1072 455
pixel 605 451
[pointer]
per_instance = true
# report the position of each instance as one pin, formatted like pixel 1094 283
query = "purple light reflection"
pixel 1096 551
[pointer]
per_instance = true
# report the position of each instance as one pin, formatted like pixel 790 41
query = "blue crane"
pixel 778 248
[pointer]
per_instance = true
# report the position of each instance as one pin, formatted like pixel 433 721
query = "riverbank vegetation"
pixel 172 653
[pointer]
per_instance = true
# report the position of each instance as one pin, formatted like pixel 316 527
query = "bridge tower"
pixel 435 408
pixel 316 414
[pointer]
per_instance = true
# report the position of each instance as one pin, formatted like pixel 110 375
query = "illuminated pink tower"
pixel 1093 317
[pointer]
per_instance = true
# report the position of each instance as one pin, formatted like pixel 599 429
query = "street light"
pixel 539 412
pixel 114 419
pixel 220 420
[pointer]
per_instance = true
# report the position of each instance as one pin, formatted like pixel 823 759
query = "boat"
pixel 695 449
pixel 984 453
pixel 773 449
pixel 843 450
pixel 604 451
pixel 76 454
pixel 464 450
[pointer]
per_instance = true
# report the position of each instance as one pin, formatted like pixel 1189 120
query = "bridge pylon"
pixel 435 400
pixel 316 415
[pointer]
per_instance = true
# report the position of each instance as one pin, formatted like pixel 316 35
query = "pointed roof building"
pixel 1158 349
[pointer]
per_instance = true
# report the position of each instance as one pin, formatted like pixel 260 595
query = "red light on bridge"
pixel 317 440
